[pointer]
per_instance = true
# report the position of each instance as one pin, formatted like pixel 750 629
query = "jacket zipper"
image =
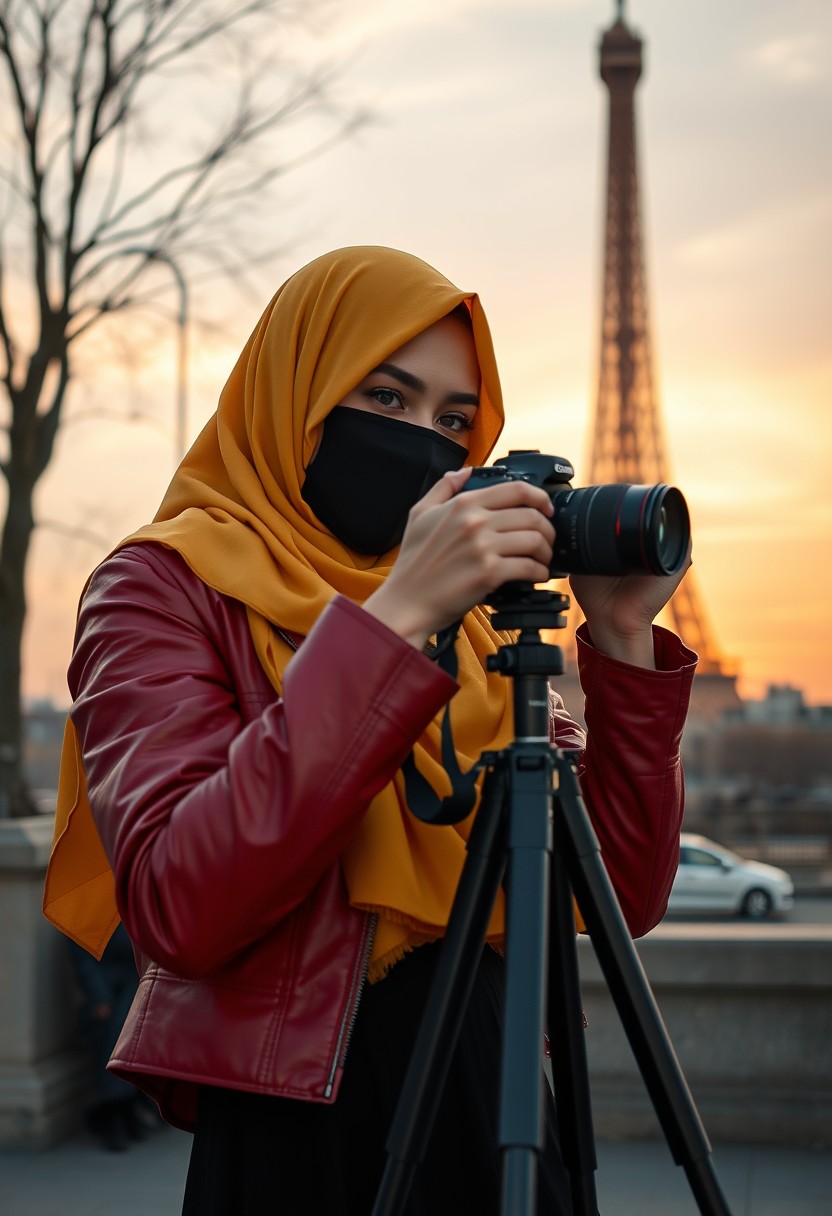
pixel 293 641
pixel 359 979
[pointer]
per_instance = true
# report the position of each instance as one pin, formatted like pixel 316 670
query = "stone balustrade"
pixel 748 1010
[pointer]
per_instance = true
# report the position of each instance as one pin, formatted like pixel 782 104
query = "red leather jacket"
pixel 224 810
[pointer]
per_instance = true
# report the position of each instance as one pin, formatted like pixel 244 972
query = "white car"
pixel 711 878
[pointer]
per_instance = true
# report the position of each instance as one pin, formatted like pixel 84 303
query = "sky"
pixel 485 155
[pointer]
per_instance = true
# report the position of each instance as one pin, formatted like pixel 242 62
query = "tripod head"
pixel 522 606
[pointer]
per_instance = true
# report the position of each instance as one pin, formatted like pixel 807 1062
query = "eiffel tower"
pixel 627 442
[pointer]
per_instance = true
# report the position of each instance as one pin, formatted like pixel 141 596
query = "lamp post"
pixel 158 255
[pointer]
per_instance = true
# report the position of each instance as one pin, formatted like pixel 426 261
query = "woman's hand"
pixel 620 610
pixel 458 548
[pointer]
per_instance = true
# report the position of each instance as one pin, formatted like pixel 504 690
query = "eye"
pixel 458 423
pixel 386 396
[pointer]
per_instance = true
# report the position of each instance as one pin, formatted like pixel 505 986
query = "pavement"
pixel 635 1178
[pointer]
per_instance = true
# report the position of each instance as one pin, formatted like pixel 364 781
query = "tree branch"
pixel 244 127
pixel 81 162
pixel 48 422
pixel 5 336
pixel 74 533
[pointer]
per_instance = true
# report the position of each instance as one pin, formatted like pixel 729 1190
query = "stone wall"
pixel 43 1076
pixel 749 1013
pixel 750 1019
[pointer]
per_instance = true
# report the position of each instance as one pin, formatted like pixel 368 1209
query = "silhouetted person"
pixel 116 1113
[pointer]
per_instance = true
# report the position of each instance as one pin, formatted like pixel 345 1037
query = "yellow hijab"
pixel 234 512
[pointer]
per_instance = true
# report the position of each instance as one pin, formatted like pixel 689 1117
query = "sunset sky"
pixel 486 157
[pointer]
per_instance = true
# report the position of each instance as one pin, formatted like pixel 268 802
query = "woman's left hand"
pixel 620 610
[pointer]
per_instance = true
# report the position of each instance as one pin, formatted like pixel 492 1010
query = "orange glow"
pixel 487 161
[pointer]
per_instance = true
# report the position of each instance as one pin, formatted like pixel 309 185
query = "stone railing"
pixel 749 1013
pixel 43 1076
pixel 748 1009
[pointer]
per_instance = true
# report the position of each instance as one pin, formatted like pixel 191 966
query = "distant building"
pixel 782 705
pixel 777 748
pixel 43 737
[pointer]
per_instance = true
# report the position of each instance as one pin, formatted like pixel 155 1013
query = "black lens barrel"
pixel 620 529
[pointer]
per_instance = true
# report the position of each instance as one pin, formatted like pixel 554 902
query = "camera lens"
pixel 672 533
pixel 620 529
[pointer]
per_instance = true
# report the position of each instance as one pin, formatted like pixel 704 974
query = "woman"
pixel 249 676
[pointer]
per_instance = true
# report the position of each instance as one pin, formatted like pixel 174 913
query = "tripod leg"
pixel 569 1061
pixel 527 930
pixel 633 997
pixel 448 999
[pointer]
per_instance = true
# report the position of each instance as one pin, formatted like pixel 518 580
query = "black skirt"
pixel 256 1155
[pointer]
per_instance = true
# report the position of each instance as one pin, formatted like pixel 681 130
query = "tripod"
pixel 532 825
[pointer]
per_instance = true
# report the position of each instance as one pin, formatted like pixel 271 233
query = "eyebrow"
pixel 419 386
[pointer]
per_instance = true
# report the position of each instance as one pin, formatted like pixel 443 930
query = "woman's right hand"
pixel 458 548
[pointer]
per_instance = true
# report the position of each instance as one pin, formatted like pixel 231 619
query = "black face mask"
pixel 369 471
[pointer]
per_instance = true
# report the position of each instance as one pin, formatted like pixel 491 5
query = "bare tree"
pixel 144 134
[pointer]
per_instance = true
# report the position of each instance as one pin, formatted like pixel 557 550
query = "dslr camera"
pixel 610 529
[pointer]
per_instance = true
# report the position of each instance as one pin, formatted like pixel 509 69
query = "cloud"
pixel 791 60
pixel 765 233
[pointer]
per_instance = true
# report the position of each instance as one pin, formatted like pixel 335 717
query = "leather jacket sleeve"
pixel 218 823
pixel 631 771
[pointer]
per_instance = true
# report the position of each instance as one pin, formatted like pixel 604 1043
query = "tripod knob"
pixel 527 658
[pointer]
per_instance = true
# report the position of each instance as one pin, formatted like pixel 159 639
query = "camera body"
pixel 612 529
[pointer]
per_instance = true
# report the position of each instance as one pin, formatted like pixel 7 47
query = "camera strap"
pixel 422 799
